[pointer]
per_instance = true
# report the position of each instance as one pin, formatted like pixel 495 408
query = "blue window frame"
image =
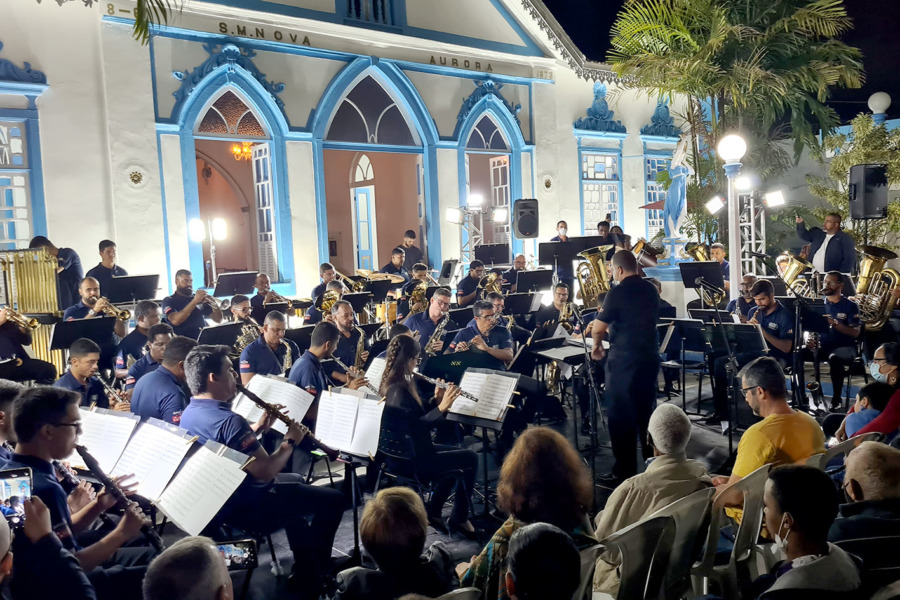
pixel 600 189
pixel 653 217
pixel 16 179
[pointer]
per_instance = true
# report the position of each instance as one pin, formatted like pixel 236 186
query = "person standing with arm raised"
pixel 830 248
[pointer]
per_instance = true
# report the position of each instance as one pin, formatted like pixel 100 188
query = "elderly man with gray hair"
pixel 669 477
pixel 872 483
pixel 191 569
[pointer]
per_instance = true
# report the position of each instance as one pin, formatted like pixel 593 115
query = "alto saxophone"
pixel 437 335
pixel 360 348
pixel 288 359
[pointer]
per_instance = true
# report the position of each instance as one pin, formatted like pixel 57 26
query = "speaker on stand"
pixel 525 218
pixel 867 194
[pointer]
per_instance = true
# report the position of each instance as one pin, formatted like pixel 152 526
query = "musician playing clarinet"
pixel 84 358
pixel 47 424
pixel 267 500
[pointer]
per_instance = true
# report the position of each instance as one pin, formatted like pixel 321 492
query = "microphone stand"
pixel 594 407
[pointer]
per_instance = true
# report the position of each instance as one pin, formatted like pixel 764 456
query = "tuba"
pixel 592 273
pixel 417 296
pixel 700 253
pixel 795 266
pixel 875 285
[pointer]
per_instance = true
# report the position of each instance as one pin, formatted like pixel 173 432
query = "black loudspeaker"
pixel 868 191
pixel 525 218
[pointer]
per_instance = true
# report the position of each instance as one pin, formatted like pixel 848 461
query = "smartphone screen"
pixel 239 555
pixel 15 487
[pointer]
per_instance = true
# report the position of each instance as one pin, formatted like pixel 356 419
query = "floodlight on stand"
pixel 453 215
pixel 219 229
pixel 743 183
pixel 196 230
pixel 499 214
pixel 715 204
pixel 475 200
pixel 774 199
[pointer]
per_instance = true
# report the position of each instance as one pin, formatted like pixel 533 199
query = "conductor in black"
pixel 629 315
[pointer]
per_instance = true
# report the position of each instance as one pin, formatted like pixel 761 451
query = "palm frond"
pixel 148 13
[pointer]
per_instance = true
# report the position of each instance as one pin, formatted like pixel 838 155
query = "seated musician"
pixel 107 268
pixel 161 394
pixel 743 304
pixel 777 325
pixel 15 362
pixel 267 500
pixel 47 423
pixel 84 357
pixel 467 288
pixel 157 339
pixel 270 353
pixel 314 314
pixel 424 323
pixel 132 346
pixel 717 253
pixel 838 344
pixel 483 334
pixel 187 311
pixel 396 267
pixel 547 315
pixel 343 316
pixel 419 274
pixel 240 309
pixel 327 273
pixel 92 306
pixel 519 335
pixel 510 276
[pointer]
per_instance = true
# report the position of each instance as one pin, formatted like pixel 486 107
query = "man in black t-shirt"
pixel 629 315
pixel 411 253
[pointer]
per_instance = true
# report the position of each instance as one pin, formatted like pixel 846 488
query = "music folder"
pixel 153 455
pixel 538 280
pixel 349 423
pixel 98 329
pixel 231 284
pixel 375 372
pixel 105 433
pixel 493 389
pixel 224 334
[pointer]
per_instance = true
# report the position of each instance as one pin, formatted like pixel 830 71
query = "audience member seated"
pixel 784 436
pixel 884 369
pixel 800 506
pixel 543 564
pixel 542 480
pixel 393 529
pixel 870 402
pixel 872 483
pixel 191 568
pixel 670 477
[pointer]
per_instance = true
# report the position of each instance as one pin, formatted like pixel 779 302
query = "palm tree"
pixel 152 12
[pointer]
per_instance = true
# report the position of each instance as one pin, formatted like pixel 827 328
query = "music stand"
pixel 302 336
pixel 493 254
pixel 370 328
pixel 687 335
pixel 448 270
pixel 518 304
pixel 281 307
pixel 462 316
pixel 231 284
pixel 358 300
pixel 132 288
pixel 707 315
pixel 749 338
pixel 539 280
pixel 710 271
pixel 379 289
pixel 778 284
pixel 225 334
pixel 430 290
pixel 99 330
pixel 451 366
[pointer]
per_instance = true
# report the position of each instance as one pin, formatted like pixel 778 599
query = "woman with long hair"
pixel 542 480
pixel 406 414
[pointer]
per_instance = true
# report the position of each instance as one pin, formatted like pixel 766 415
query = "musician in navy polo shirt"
pixel 314 313
pixel 327 273
pixel 70 272
pixel 423 324
pixel 17 364
pixel 161 393
pixel 84 356
pixel 270 353
pixel 107 268
pixel 396 267
pixel 484 335
pixel 132 346
pixel 92 306
pixel 159 336
pixel 187 311
pixel 348 342
pixel 467 288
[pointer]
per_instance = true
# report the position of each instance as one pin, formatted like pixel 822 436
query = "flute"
pixel 111 488
pixel 270 409
pixel 444 386
pixel 347 369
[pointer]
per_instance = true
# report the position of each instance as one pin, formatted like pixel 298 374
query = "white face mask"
pixel 562 231
pixel 781 542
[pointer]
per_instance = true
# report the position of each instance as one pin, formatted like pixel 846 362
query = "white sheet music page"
pixel 246 408
pixel 153 455
pixel 473 383
pixel 104 434
pixel 296 401
pixel 200 490
pixel 495 396
pixel 337 419
pixel 368 427
pixel 376 372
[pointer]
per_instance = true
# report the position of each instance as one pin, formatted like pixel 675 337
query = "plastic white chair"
pixel 469 593
pixel 588 565
pixel 820 461
pixel 642 550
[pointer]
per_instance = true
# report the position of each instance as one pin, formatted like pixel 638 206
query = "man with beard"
pixel 91 306
pixel 186 311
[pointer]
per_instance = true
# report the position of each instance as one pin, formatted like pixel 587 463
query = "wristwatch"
pixel 290 442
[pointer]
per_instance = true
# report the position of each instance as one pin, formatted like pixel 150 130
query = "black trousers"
pixel 121 577
pixel 42 372
pixel 839 360
pixel 441 468
pixel 631 399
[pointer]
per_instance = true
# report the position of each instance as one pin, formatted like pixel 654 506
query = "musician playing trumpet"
pixel 15 363
pixel 84 359
pixel 92 305
pixel 186 311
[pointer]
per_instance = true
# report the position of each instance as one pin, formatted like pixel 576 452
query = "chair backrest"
pixel 396 443
pixel 888 592
pixel 643 549
pixel 469 593
pixel 879 556
pixel 846 446
pixel 690 513
pixel 588 565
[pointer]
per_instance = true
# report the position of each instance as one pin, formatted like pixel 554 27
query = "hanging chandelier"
pixel 242 151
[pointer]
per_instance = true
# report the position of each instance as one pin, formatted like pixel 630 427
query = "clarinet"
pixel 72 479
pixel 270 409
pixel 115 394
pixel 346 368
pixel 111 488
pixel 444 386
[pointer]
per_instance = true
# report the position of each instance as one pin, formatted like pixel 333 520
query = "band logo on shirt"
pixel 248 440
pixel 176 417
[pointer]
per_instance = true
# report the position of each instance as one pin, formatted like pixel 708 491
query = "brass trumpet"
pixel 222 305
pixel 21 320
pixel 354 285
pixel 110 310
pixel 276 298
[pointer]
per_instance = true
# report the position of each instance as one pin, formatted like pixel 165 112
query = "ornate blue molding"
pixel 661 123
pixel 231 56
pixel 599 116
pixel 486 87
pixel 10 72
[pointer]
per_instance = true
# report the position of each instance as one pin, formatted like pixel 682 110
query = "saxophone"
pixel 288 359
pixel 360 348
pixel 437 335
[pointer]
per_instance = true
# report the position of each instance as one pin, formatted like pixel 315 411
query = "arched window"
pixel 364 170
pixel 487 136
pixel 229 115
pixel 368 115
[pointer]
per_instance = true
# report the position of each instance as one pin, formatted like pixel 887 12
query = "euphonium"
pixel 21 320
pixel 875 286
pixel 795 266
pixel 353 284
pixel 327 301
pixel 250 332
pixel 417 296
pixel 492 282
pixel 593 276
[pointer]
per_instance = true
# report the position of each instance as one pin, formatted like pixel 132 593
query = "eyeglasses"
pixel 76 425
pixel 747 389
pixel 878 360
pixel 488 317
pixel 442 303
pixel 243 309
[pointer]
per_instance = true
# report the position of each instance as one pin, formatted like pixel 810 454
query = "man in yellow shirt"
pixel 784 436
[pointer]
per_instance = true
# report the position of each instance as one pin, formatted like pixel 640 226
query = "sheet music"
pixel 276 391
pixel 376 372
pixel 246 408
pixel 472 382
pixel 337 419
pixel 153 455
pixel 105 435
pixel 200 490
pixel 495 396
pixel 368 427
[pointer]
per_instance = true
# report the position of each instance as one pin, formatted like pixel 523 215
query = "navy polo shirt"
pixel 70 277
pixel 104 276
pixel 131 345
pixel 465 287
pixel 142 367
pixel 346 349
pixel 411 256
pixel 257 310
pixel 390 269
pixel 726 269
pixel 259 358
pixel 422 324
pixel 563 271
pixel 47 487
pixel 13 340
pixel 745 306
pixel 497 338
pixel 318 290
pixel 195 321
pixel 845 312
pixel 779 324
pixel 313 315
pixel 307 373
pixel 6 452
pixel 91 393
pixel 159 395
pixel 76 311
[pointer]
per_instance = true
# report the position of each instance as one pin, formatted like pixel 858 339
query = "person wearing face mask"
pixel 800 506
pixel 564 273
pixel 884 369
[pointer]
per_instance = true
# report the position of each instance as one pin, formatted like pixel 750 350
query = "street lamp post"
pixel 731 149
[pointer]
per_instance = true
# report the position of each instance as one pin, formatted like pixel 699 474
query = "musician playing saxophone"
pixel 84 358
pixel 186 311
pixel 424 323
pixel 270 353
pixel 349 340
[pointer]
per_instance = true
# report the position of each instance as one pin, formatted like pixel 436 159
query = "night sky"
pixel 876 29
